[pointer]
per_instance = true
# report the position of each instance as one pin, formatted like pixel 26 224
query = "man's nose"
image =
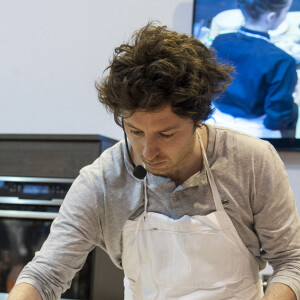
pixel 151 149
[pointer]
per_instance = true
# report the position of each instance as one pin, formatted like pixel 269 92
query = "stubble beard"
pixel 172 169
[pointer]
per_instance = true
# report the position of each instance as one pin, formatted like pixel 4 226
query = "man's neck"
pixel 256 27
pixel 195 164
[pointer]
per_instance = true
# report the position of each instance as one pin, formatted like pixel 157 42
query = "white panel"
pixel 53 50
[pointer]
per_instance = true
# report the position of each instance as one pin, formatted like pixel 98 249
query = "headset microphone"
pixel 138 171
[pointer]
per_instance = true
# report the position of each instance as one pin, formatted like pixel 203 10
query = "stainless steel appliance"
pixel 28 206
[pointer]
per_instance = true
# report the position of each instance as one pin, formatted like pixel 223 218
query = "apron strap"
pixel 211 180
pixel 145 194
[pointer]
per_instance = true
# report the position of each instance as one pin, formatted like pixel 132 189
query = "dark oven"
pixel 28 206
pixel 36 172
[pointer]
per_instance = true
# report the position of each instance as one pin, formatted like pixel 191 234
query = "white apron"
pixel 198 257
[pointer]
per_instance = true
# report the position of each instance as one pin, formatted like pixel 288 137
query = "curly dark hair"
pixel 255 8
pixel 160 67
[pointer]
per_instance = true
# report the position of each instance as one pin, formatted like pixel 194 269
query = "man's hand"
pixel 279 291
pixel 24 291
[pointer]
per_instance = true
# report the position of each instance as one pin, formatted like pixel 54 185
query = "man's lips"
pixel 154 164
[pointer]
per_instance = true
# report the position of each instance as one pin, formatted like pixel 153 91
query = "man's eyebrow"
pixel 129 125
pixel 169 128
pixel 163 130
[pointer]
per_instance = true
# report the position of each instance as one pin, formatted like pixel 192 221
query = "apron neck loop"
pixel 145 195
pixel 211 180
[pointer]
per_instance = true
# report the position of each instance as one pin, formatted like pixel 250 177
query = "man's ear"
pixel 271 17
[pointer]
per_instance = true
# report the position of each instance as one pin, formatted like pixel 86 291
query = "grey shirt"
pixel 252 183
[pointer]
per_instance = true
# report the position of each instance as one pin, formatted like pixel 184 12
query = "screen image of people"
pixel 261 38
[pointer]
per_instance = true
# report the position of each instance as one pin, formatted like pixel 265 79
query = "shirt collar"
pixel 264 34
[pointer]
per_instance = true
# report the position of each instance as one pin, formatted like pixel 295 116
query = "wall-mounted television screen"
pixel 261 39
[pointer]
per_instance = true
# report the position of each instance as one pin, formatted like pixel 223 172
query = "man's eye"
pixel 166 135
pixel 135 132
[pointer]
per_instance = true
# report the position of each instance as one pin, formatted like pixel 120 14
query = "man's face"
pixel 161 140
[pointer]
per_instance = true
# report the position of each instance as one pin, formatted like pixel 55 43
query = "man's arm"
pixel 74 233
pixel 279 291
pixel 24 291
pixel 277 225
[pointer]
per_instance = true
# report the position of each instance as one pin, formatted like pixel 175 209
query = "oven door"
pixel 23 230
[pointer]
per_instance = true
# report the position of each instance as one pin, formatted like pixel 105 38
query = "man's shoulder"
pixel 275 53
pixel 234 150
pixel 266 49
pixel 109 164
pixel 225 36
pixel 227 139
pixel 221 40
pixel 114 152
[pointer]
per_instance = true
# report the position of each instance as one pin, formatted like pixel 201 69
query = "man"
pixel 188 210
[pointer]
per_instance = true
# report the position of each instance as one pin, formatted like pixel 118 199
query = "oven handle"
pixel 27 214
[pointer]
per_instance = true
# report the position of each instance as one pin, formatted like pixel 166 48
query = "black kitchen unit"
pixel 36 172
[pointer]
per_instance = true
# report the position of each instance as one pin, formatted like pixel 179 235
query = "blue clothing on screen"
pixel 264 81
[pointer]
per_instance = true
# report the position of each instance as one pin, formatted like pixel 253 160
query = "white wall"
pixel 52 51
